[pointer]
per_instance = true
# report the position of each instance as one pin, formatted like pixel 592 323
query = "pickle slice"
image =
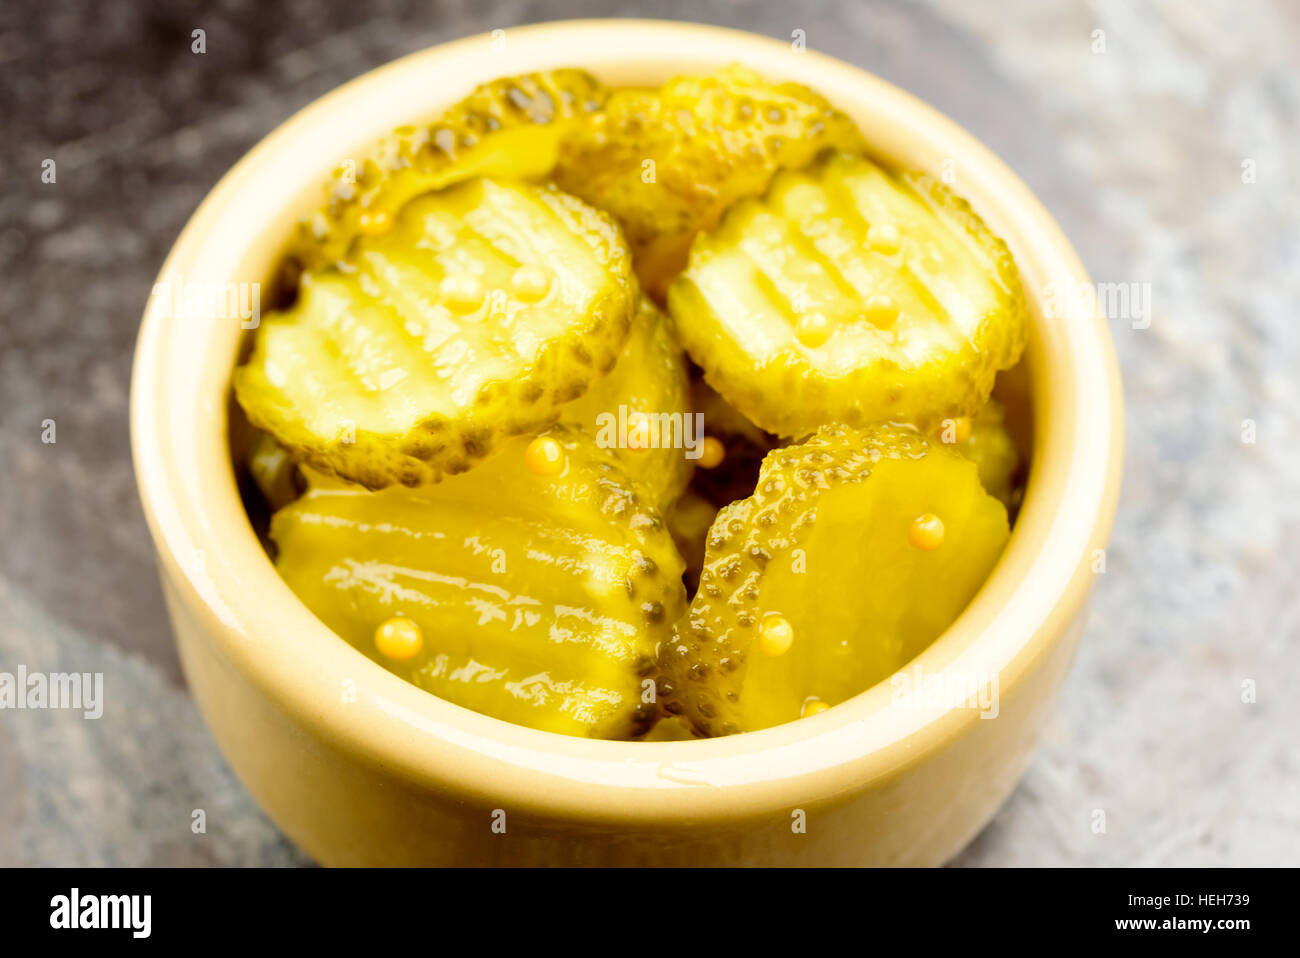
pixel 667 162
pixel 851 294
pixel 689 521
pixel 487 308
pixel 893 528
pixel 642 408
pixel 534 589
pixel 986 442
pixel 510 128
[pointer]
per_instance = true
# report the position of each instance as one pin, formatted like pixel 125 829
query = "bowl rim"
pixel 209 554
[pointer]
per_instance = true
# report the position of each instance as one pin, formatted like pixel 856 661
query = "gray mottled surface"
pixel 1138 150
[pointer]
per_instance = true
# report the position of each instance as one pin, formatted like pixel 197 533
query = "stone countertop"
pixel 1164 144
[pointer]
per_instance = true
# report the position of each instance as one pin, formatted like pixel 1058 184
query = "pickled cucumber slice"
pixel 642 408
pixel 487 308
pixel 689 521
pixel 894 527
pixel 986 442
pixel 851 294
pixel 534 589
pixel 510 128
pixel 667 162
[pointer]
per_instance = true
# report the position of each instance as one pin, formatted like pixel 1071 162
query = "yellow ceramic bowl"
pixel 358 767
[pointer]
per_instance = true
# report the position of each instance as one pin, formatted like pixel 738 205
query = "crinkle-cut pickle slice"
pixel 642 408
pixel 487 308
pixel 509 129
pixel 851 294
pixel 856 550
pixel 534 589
pixel 667 162
pixel 985 441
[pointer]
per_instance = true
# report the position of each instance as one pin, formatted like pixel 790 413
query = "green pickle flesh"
pixel 488 308
pixel 667 162
pixel 649 380
pixel 850 294
pixel 830 517
pixel 540 599
pixel 510 128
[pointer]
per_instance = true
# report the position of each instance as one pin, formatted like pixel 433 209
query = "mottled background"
pixel 1140 151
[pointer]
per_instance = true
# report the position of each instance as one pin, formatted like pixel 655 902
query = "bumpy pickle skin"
pixel 851 294
pixel 485 310
pixel 536 597
pixel 667 162
pixel 846 514
pixel 648 390
pixel 510 128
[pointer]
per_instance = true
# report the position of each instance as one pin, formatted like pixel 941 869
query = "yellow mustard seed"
pixel 530 282
pixel 544 457
pixel 884 238
pixel 399 638
pixel 461 293
pixel 955 431
pixel 775 635
pixel 881 310
pixel 712 452
pixel 813 329
pixel 926 532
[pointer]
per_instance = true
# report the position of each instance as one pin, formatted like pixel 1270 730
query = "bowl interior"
pixel 209 552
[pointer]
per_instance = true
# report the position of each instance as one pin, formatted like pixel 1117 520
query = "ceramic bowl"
pixel 359 767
